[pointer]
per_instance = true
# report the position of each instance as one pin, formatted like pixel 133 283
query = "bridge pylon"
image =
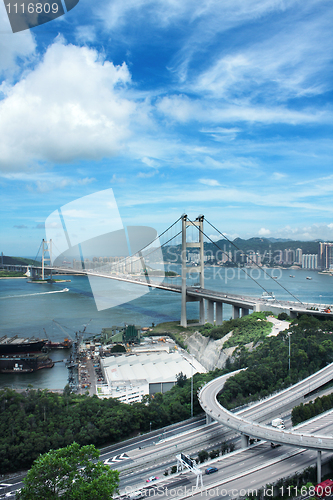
pixel 190 269
pixel 46 248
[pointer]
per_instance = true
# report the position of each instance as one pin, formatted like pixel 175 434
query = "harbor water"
pixel 46 311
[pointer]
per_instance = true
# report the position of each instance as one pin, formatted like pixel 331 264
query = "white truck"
pixel 278 423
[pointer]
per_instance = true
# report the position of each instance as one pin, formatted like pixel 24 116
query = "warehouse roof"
pixel 154 367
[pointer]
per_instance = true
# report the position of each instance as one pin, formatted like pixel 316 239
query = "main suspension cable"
pixel 263 270
pixel 267 274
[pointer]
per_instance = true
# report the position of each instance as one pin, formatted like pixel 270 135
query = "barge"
pixel 23 355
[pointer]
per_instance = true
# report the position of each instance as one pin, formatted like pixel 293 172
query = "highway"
pixel 250 468
pixel 243 424
pixel 152 453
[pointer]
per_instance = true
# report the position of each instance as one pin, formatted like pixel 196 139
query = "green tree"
pixel 72 473
pixel 203 455
pixel 118 348
pixel 181 379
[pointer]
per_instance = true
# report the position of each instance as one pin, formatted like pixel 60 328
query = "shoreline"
pixel 13 277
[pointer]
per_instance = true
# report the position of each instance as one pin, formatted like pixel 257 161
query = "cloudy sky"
pixel 214 107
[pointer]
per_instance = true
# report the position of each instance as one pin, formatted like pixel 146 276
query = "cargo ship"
pixel 23 355
pixel 66 344
pixel 13 345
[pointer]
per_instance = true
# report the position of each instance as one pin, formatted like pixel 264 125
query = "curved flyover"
pixel 207 399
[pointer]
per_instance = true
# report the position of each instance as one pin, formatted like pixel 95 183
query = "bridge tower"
pixel 46 248
pixel 189 269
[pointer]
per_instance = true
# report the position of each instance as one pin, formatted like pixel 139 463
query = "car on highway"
pixel 135 495
pixel 210 470
pixel 151 478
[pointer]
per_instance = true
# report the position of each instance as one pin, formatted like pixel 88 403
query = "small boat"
pixel 291 276
pixel 66 344
pixel 268 296
pixel 308 278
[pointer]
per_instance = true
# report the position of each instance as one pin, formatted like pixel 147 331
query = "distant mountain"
pixel 17 261
pixel 273 240
pixel 269 248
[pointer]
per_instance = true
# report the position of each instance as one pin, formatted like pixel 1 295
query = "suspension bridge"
pixel 146 267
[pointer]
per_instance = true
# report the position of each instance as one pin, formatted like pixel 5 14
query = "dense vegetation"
pixel 72 473
pixel 11 274
pixel 305 411
pixel 268 370
pixel 37 421
pixel 244 330
pixel 18 261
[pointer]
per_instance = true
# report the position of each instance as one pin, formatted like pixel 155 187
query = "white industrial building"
pixel 130 376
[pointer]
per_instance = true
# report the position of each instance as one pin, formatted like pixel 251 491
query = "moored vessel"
pixel 25 363
pixel 23 355
pixel 16 344
pixel 66 344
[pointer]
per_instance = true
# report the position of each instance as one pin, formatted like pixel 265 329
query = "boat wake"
pixel 31 294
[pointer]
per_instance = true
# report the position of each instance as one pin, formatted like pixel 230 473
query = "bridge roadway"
pixel 207 399
pixel 238 302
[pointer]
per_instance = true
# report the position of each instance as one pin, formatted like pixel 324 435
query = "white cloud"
pixel 214 237
pixel 278 176
pixel 312 232
pixel 222 133
pixel 146 175
pixel 85 181
pixel 284 65
pixel 13 46
pixel 184 109
pixel 85 34
pixel 150 162
pixel 44 182
pixel 264 232
pixel 209 182
pixel 115 179
pixel 71 106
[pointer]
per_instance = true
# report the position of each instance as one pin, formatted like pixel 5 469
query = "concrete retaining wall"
pixel 208 352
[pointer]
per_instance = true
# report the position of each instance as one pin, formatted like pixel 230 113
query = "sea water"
pixel 45 311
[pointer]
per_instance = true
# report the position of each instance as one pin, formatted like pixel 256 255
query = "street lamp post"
pixel 289 335
pixel 192 391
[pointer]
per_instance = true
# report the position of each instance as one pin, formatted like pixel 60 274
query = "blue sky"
pixel 220 107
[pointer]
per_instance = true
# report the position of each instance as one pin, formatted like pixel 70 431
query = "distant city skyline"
pixel 321 259
pixel 222 108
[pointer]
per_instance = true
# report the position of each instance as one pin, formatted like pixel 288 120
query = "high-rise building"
pixel 254 258
pixel 326 255
pixel 310 261
pixel 298 256
pixel 288 256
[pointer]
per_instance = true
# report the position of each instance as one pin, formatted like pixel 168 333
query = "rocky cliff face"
pixel 208 352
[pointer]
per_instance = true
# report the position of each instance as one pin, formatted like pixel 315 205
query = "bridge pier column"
pixel 210 311
pixel 183 316
pixel 318 466
pixel 244 441
pixel 209 419
pixel 235 312
pixel 202 312
pixel 219 313
pixel 245 311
